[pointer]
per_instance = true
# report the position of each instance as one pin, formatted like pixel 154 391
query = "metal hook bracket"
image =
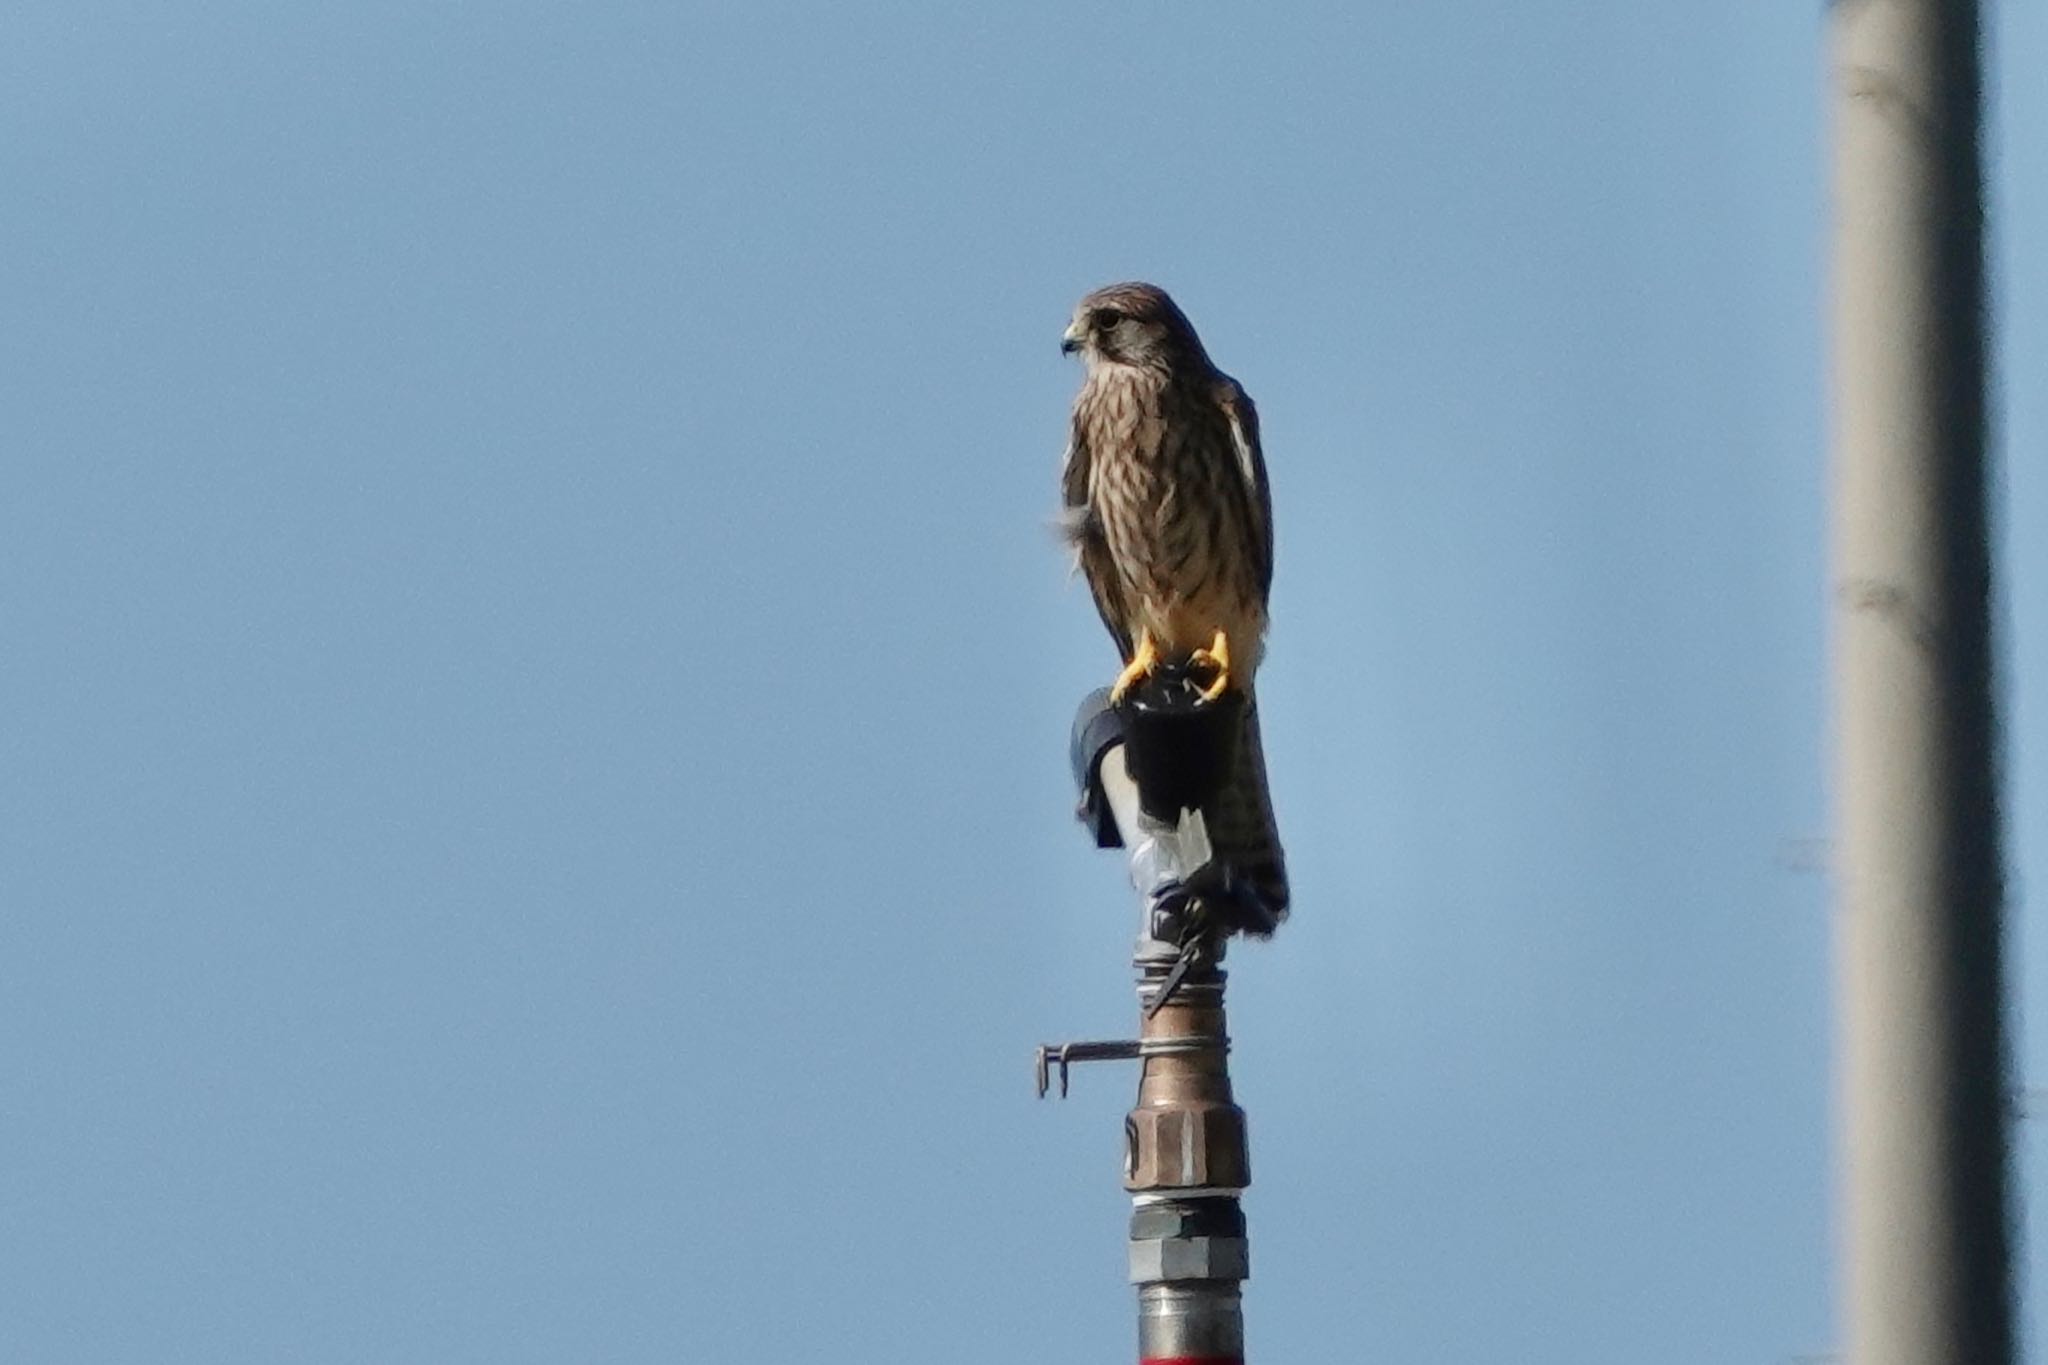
pixel 1062 1056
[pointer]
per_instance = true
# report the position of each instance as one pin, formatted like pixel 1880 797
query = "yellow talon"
pixel 1216 656
pixel 1140 669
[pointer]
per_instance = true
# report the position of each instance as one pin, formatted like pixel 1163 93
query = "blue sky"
pixel 533 817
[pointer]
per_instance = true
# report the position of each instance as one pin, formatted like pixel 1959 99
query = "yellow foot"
pixel 1217 657
pixel 1140 669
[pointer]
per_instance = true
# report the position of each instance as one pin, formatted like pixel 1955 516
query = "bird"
pixel 1166 506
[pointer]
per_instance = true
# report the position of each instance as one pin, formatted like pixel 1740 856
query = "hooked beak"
pixel 1070 342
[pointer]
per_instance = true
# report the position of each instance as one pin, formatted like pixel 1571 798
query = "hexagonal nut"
pixel 1190 1258
pixel 1158 1218
pixel 1186 1148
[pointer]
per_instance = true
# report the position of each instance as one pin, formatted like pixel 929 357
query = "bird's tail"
pixel 1242 832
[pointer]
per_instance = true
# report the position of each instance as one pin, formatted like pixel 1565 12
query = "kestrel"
pixel 1167 508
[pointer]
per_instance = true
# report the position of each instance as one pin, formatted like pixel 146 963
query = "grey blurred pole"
pixel 1918 858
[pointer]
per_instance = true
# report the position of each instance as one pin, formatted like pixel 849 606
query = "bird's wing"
pixel 1081 522
pixel 1251 467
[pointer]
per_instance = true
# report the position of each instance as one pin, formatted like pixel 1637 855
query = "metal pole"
pixel 1186 1163
pixel 1919 889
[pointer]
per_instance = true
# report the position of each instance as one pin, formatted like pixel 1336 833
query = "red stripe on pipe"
pixel 1190 1360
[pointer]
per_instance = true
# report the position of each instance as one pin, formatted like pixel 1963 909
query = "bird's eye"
pixel 1106 318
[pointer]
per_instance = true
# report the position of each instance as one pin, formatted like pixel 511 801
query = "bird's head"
pixel 1133 324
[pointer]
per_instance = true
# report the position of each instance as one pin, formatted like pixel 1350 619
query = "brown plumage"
pixel 1168 511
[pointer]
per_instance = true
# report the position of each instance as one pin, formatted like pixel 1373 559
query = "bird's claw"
pixel 1215 659
pixel 1135 674
pixel 1144 663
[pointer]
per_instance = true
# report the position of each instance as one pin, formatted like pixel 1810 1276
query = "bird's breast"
pixel 1159 489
